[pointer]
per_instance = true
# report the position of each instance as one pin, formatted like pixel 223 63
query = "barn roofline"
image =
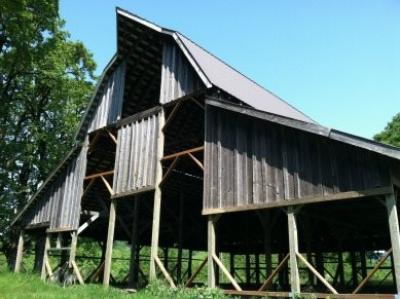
pixel 333 134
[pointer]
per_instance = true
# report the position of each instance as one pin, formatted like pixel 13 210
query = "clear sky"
pixel 337 61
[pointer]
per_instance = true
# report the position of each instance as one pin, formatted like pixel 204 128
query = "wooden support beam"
pixel 168 172
pixel 316 273
pixel 94 140
pixel 183 153
pixel 373 271
pixel 97 175
pixel 270 278
pixel 394 235
pixel 197 103
pixel 107 184
pixel 45 257
pixel 72 253
pixel 172 114
pixel 113 138
pixel 226 272
pixel 87 223
pixel 20 252
pixel 293 249
pixel 304 200
pixel 132 277
pixel 77 273
pixel 165 272
pixel 211 240
pixel 89 185
pixel 194 275
pixel 157 199
pixel 180 236
pixel 197 161
pixel 110 240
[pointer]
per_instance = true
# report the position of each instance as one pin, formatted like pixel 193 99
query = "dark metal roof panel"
pixel 238 85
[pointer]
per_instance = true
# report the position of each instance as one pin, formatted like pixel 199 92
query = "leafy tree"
pixel 391 133
pixel 45 82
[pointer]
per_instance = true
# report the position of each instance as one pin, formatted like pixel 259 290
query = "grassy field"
pixel 30 286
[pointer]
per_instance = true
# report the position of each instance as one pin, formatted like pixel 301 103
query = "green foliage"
pixel 391 133
pixel 45 83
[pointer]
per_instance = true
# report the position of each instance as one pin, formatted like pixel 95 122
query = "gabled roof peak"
pixel 214 72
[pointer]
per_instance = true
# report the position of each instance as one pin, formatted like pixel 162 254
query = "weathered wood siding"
pixel 177 76
pixel 135 159
pixel 60 202
pixel 109 107
pixel 250 161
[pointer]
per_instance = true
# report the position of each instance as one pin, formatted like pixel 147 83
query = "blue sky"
pixel 337 61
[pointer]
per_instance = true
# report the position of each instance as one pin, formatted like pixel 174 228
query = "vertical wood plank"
pixel 110 241
pixel 394 235
pixel 45 257
pixel 157 198
pixel 132 280
pixel 211 251
pixel 20 252
pixel 293 249
pixel 72 253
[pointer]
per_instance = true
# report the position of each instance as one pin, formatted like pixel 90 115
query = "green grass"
pixel 30 286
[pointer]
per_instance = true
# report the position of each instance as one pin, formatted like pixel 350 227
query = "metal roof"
pixel 214 72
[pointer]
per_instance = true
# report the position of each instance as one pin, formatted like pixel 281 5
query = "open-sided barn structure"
pixel 179 150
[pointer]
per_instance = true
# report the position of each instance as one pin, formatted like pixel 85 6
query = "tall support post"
pixel 39 248
pixel 20 252
pixel 110 241
pixel 293 249
pixel 353 260
pixel 232 264
pixel 211 250
pixel 363 258
pixel 341 268
pixel 189 270
pixel 257 268
pixel 157 198
pixel 394 235
pixel 248 269
pixel 180 238
pixel 319 263
pixel 74 242
pixel 132 279
pixel 45 257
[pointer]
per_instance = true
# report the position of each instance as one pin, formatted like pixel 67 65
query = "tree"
pixel 45 83
pixel 391 133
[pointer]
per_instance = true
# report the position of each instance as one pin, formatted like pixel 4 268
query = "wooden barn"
pixel 179 150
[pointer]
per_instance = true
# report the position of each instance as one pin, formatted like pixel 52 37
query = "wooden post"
pixel 353 268
pixel 394 235
pixel 293 250
pixel 72 253
pixel 248 268
pixel 319 264
pixel 166 262
pixel 232 264
pixel 189 271
pixel 132 279
pixel 341 269
pixel 20 252
pixel 45 257
pixel 257 268
pixel 180 238
pixel 363 263
pixel 110 240
pixel 211 250
pixel 157 199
